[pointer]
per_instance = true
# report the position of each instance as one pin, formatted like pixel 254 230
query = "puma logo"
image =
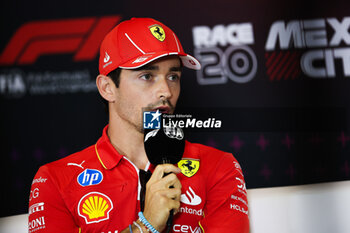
pixel 75 164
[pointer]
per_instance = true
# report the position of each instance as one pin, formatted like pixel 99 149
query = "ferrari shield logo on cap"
pixel 158 32
pixel 189 167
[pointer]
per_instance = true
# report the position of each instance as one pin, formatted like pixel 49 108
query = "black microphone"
pixel 165 145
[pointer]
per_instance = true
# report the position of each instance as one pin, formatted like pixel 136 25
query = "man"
pixel 99 189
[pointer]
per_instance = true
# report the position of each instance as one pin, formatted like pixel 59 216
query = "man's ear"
pixel 106 87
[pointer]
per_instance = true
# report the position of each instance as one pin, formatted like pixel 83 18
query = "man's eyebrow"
pixel 147 68
pixel 176 69
pixel 152 67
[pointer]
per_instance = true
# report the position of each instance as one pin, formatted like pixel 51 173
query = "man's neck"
pixel 128 141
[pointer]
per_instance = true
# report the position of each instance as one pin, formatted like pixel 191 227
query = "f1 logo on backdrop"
pixel 80 36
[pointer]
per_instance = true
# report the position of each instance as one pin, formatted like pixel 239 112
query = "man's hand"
pixel 162 195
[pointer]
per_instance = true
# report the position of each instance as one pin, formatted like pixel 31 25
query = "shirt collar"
pixel 108 156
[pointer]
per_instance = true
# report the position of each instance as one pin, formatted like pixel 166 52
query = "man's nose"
pixel 163 89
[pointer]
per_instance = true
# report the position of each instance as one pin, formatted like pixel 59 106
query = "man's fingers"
pixel 171 198
pixel 163 193
pixel 168 182
pixel 163 169
pixel 174 194
pixel 171 181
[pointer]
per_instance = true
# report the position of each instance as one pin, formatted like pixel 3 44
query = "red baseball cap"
pixel 138 41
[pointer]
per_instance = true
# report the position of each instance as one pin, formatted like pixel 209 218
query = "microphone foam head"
pixel 165 145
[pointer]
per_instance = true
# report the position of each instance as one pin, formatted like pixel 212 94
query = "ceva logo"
pixel 80 36
pixel 90 177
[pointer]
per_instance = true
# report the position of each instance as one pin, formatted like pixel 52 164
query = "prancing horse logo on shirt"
pixel 189 167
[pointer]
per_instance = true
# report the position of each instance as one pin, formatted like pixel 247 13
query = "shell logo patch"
pixel 94 207
pixel 158 32
pixel 189 167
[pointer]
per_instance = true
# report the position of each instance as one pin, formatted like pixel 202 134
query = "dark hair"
pixel 115 76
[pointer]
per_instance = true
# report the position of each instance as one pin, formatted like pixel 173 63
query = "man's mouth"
pixel 162 109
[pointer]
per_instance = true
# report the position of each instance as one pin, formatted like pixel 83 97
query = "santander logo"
pixel 106 58
pixel 190 197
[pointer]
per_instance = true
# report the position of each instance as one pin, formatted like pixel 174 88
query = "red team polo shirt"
pixel 97 190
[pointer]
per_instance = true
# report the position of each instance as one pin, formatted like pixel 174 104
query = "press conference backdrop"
pixel 277 73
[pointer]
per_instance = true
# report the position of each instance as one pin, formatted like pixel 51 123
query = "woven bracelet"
pixel 146 223
pixel 138 227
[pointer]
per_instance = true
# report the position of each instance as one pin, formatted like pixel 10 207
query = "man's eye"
pixel 146 77
pixel 174 77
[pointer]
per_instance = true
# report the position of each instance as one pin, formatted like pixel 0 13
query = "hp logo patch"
pixel 90 177
pixel 151 120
